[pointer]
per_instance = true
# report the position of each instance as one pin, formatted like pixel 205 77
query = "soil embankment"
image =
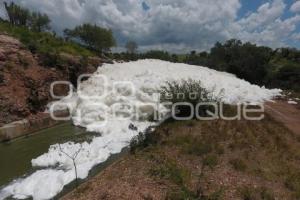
pixel 288 114
pixel 25 82
pixel 25 79
pixel 205 160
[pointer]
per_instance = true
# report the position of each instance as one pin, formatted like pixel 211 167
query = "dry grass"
pixel 207 160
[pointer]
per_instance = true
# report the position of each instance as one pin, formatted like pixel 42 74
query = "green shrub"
pixel 248 193
pixel 292 182
pixel 219 149
pixel 143 140
pixel 198 148
pixel 288 77
pixel 210 160
pixel 51 59
pixel 182 194
pixel 41 42
pixel 187 91
pixel 266 194
pixel 168 169
pixel 238 164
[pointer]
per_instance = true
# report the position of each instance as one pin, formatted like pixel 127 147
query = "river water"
pixel 16 156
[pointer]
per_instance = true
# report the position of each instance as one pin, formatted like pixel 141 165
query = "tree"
pixel 131 47
pixel 247 60
pixel 39 22
pixel 17 15
pixel 288 77
pixel 93 36
pixel 157 54
pixel 73 158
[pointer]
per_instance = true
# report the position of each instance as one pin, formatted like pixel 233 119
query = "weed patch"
pixel 238 164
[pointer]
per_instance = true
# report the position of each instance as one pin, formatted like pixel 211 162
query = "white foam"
pixel 292 102
pixel 97 115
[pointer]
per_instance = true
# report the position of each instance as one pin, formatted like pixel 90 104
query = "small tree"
pixel 39 22
pixel 19 16
pixel 16 14
pixel 95 37
pixel 73 158
pixel 131 47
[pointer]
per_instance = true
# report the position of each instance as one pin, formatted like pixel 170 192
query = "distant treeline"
pixel 256 64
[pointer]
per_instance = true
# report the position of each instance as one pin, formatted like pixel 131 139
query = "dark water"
pixel 16 156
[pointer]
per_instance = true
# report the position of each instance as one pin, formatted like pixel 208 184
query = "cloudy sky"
pixel 180 25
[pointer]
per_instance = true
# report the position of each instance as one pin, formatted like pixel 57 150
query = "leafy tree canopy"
pixel 95 37
pixel 19 16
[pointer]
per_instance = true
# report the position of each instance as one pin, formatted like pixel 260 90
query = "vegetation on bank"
pixel 188 91
pixel 259 159
pixel 34 31
pixel 43 42
pixel 204 160
pixel 95 38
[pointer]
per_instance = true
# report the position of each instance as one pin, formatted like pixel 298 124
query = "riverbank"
pixel 212 160
pixel 16 155
pixel 27 127
pixel 26 77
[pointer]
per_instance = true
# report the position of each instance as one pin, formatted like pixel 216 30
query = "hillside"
pixel 25 77
pixel 204 160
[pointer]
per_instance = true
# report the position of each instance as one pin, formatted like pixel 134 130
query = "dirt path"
pixel 288 114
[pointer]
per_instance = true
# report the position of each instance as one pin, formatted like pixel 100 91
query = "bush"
pixel 293 183
pixel 247 61
pixel 248 193
pixel 96 38
pixel 169 170
pixel 198 148
pixel 288 77
pixel 155 54
pixel 42 42
pixel 211 161
pixel 143 140
pixel 188 91
pixel 238 164
pixel 51 59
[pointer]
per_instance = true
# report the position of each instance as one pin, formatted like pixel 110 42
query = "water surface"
pixel 16 156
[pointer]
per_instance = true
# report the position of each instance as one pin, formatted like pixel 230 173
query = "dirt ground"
pixel 288 114
pixel 213 160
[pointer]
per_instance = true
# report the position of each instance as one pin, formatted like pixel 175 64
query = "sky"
pixel 180 25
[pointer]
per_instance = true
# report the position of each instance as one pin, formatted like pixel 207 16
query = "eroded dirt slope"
pixel 205 160
pixel 25 81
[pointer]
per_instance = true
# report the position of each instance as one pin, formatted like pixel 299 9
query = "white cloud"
pixel 265 14
pixel 193 23
pixel 174 25
pixel 266 26
pixel 296 36
pixel 2 13
pixel 295 7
